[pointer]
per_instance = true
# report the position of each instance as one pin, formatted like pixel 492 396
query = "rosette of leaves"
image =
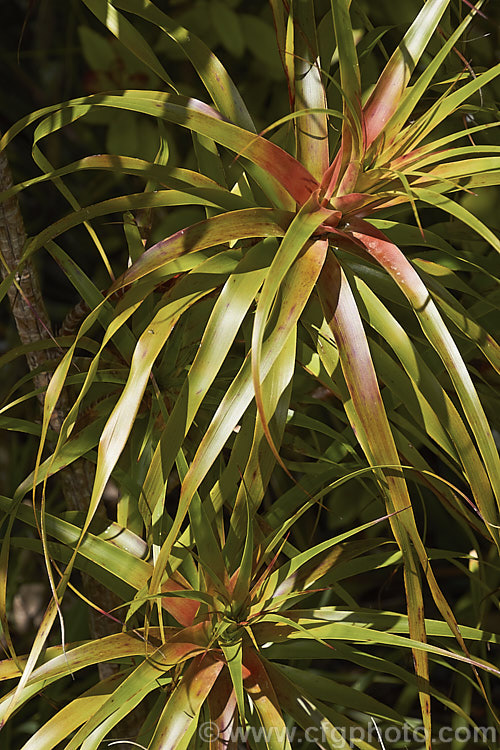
pixel 220 674
pixel 301 259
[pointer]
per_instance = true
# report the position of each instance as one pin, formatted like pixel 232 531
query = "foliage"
pixel 277 389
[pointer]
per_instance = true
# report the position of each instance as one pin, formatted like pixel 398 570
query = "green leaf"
pixel 391 258
pixel 302 227
pixel 118 427
pixel 227 25
pixel 229 311
pixel 240 393
pixel 384 99
pixel 429 393
pixel 455 209
pixel 233 652
pixel 128 36
pixel 412 95
pixel 311 130
pixel 243 581
pixel 261 41
pixel 261 690
pixel 214 76
pixel 180 715
pixel 72 715
pixel 274 632
pixel 343 318
pixel 94 547
pixel 234 225
pixel 443 108
pixel 97 51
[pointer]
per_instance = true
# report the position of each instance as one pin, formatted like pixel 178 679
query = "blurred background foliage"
pixel 51 51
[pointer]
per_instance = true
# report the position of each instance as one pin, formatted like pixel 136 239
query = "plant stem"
pixel 33 325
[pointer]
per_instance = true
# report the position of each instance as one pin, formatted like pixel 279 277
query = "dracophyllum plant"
pixel 219 666
pixel 301 259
